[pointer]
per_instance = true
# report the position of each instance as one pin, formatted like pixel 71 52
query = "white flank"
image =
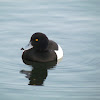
pixel 59 53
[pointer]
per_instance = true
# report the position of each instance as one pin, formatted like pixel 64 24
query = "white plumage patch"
pixel 59 53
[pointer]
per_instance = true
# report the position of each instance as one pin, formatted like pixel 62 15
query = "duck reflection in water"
pixel 39 71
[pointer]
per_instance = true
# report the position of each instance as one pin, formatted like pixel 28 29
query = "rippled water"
pixel 75 25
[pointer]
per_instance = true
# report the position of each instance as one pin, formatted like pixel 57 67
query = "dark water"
pixel 75 25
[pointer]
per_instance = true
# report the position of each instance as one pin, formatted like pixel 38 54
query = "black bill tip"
pixel 22 48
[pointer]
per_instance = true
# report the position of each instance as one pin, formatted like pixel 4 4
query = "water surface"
pixel 75 25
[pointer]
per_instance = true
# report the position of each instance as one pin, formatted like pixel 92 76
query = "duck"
pixel 42 49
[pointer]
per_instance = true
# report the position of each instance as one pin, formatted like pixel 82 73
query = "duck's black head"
pixel 39 41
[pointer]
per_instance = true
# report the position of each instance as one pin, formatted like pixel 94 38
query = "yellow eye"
pixel 36 40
